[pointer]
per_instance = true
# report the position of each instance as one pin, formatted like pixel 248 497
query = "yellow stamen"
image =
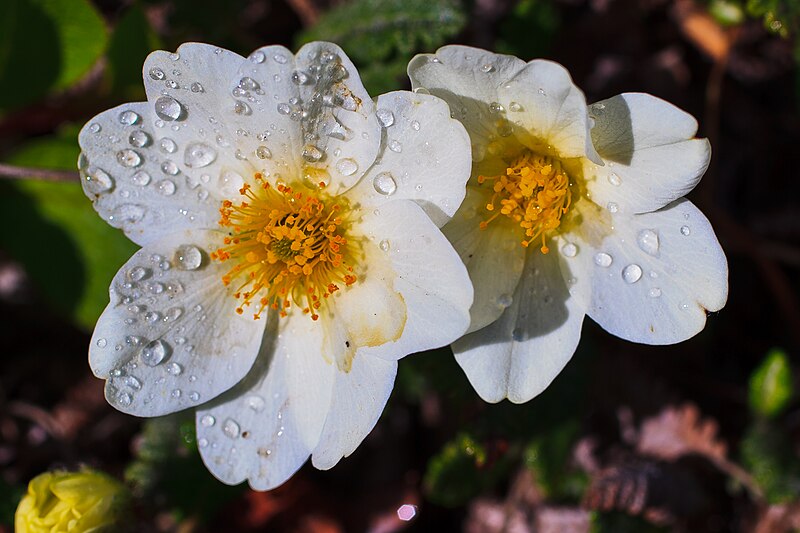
pixel 287 248
pixel 534 192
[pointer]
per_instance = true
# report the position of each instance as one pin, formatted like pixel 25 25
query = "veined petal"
pixel 650 153
pixel 170 338
pixel 468 80
pixel 549 112
pixel 428 276
pixel 654 278
pixel 359 397
pixel 518 355
pixel 135 184
pixel 493 256
pixel 425 156
pixel 265 428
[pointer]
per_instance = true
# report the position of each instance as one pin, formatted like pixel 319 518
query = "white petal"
pixel 128 183
pixel 520 354
pixel 170 338
pixel 494 257
pixel 265 428
pixel 425 156
pixel 651 157
pixel 423 269
pixel 359 397
pixel 658 276
pixel 548 110
pixel 468 80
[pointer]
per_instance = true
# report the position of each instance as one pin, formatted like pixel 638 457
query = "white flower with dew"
pixel 290 250
pixel 570 211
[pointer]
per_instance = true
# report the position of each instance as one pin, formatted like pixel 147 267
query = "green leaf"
pixel 771 385
pixel 548 455
pixel 382 35
pixel 46 45
pixel 70 253
pixel 133 39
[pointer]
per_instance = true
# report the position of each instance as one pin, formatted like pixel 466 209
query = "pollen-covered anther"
pixel 534 192
pixel 288 248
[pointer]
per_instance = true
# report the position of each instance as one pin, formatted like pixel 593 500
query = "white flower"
pixel 288 255
pixel 570 211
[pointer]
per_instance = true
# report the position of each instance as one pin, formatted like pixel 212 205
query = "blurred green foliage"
pixel 380 36
pixel 131 41
pixel 771 385
pixel 10 495
pixel 528 31
pixel 766 453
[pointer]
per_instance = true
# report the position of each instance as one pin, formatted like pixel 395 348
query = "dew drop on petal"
pixel 199 155
pixel 94 127
pixel 141 178
pixel 128 118
pixel 167 108
pixel 517 335
pixel 415 125
pixel 504 300
pixel 176 393
pixel 279 58
pixel 230 428
pixel 686 231
pixel 138 274
pixel 98 181
pixel 612 207
pixel 126 213
pixel 602 259
pixel 255 402
pixel 614 179
pixel 262 152
pixel 395 146
pixel 169 167
pixel 385 184
pixel 487 68
pixel 495 107
pixel 569 250
pixel 257 57
pixel 312 154
pixel 129 158
pixel 347 166
pixel 241 108
pixel 157 74
pixel 515 107
pixel 125 399
pixel 139 139
pixel 174 369
pixel 384 245
pixel 166 187
pixel 167 145
pixel 101 343
pixel 655 292
pixel 197 88
pixel 194 396
pixel 207 421
pixel 188 257
pixel 632 273
pixel 155 352
pixel 133 382
pixel 385 117
pixel 648 241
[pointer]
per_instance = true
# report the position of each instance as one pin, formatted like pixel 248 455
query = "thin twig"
pixel 44 174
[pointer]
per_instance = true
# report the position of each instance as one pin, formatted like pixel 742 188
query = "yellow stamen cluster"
pixel 288 248
pixel 534 192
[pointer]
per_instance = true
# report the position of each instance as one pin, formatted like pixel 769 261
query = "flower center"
pixel 534 192
pixel 288 248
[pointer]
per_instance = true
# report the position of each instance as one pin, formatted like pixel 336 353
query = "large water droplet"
pixel 129 158
pixel 141 178
pixel 128 118
pixel 188 257
pixel 384 183
pixel 230 428
pixel 241 108
pixel 154 352
pixel 648 241
pixel 167 108
pixel 157 74
pixel 98 181
pixel 169 167
pixel 602 259
pixel 385 117
pixel 632 273
pixel 262 152
pixel 257 57
pixel 167 145
pixel 199 155
pixel 347 166
pixel 249 84
pixel 139 139
pixel 166 187
pixel 207 421
pixel 569 250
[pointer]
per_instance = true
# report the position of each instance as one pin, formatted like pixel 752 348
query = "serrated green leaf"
pixel 47 45
pixel 70 253
pixel 133 38
pixel 381 34
pixel 771 385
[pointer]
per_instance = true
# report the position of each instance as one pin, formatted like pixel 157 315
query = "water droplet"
pixel 169 167
pixel 686 231
pixel 347 166
pixel 152 316
pixel 139 139
pixel 141 178
pixel 504 300
pixel 207 421
pixel 241 108
pixel 612 207
pixel 167 145
pixel 602 259
pixel 385 184
pixel 138 273
pixel 167 108
pixel 157 74
pixel 166 187
pixel 569 250
pixel 257 57
pixel 384 245
pixel 154 352
pixel 262 152
pixel 124 398
pixel 194 396
pixel 256 403
pixel 655 292
pixel 197 88
pixel 648 241
pixel 128 118
pixel 487 68
pixel 385 117
pixel 515 107
pixel 129 158
pixel 199 155
pixel 311 153
pixel 614 179
pixel 284 109
pixel 97 181
pixel 279 58
pixel 517 335
pixel 542 92
pixel 249 84
pixel 188 257
pixel 300 78
pixel 126 213
pixel 495 107
pixel 101 343
pixel 395 146
pixel 174 369
pixel 632 273
pixel 133 382
pixel 94 127
pixel 230 428
pixel 176 393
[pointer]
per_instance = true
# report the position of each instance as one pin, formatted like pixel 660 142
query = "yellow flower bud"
pixel 75 502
